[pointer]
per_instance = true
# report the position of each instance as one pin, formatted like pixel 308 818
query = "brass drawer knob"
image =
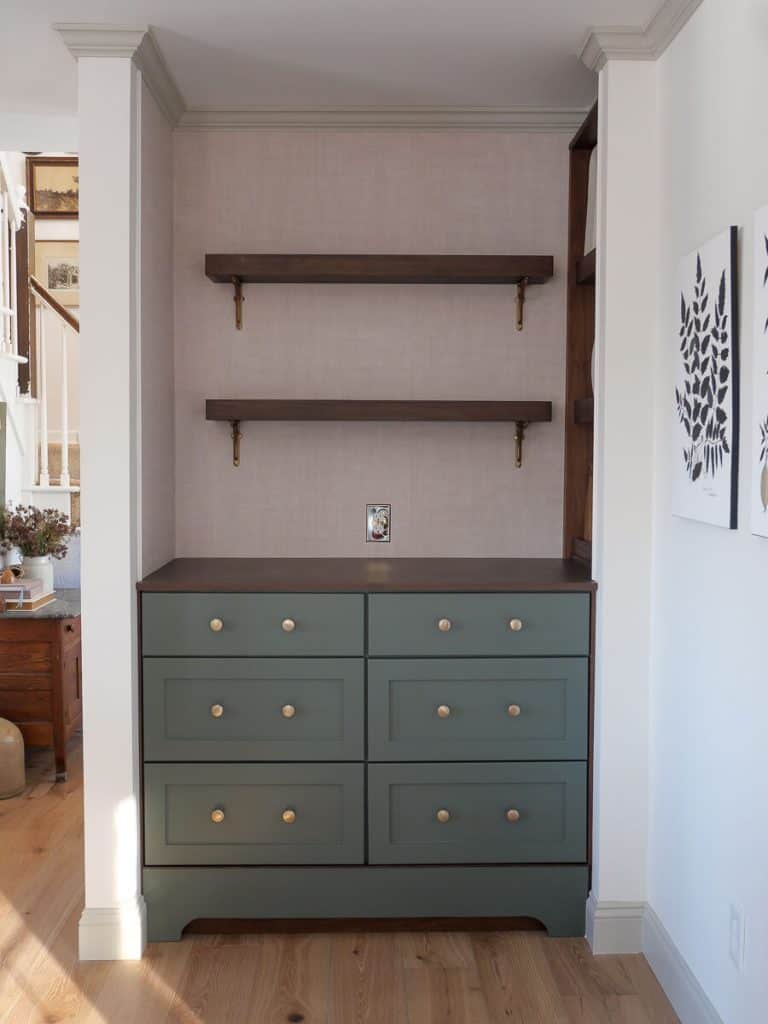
pixel 513 710
pixel 443 815
pixel 515 625
pixel 513 815
pixel 287 710
pixel 288 625
pixel 216 625
pixel 444 625
pixel 217 710
pixel 443 711
pixel 289 816
pixel 217 816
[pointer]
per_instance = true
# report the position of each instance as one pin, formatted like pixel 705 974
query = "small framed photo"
pixel 57 268
pixel 53 186
pixel 378 524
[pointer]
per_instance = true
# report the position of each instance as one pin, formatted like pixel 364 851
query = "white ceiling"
pixel 316 53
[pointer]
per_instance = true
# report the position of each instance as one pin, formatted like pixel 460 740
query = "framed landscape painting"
pixel 57 268
pixel 759 466
pixel 706 393
pixel 53 186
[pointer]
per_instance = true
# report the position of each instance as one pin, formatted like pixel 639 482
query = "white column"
pixel 13 303
pixel 112 925
pixel 623 489
pixel 65 481
pixel 42 393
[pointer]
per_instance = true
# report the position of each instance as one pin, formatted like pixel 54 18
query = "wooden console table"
pixel 40 674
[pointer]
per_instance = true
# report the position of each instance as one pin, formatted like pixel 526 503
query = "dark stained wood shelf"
pixel 582 551
pixel 308 268
pixel 585 267
pixel 232 409
pixel 584 410
pixel 339 575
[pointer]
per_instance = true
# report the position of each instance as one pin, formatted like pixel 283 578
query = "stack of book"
pixel 24 595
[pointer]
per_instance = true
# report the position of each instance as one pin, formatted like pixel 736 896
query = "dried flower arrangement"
pixel 35 531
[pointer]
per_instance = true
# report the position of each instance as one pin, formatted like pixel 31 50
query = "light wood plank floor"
pixel 373 978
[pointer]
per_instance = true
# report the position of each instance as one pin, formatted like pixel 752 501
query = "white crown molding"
pixel 136 44
pixel 634 43
pixel 511 119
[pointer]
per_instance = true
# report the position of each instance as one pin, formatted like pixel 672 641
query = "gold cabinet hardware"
pixel 515 625
pixel 216 625
pixel 287 710
pixel 443 815
pixel 444 625
pixel 217 710
pixel 217 816
pixel 513 710
pixel 239 299
pixel 288 625
pixel 289 816
pixel 443 711
pixel 512 815
pixel 236 436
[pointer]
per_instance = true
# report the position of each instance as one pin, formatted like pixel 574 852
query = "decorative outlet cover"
pixel 378 524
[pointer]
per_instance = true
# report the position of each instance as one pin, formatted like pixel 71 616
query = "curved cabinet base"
pixel 554 894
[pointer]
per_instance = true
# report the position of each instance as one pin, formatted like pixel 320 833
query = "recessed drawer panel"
pixel 252 625
pixel 253 709
pixel 484 709
pixel 501 625
pixel 253 814
pixel 477 813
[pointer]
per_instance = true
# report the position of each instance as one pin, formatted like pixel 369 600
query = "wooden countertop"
pixel 374 575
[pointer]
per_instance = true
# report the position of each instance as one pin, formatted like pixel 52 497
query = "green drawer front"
pixel 407 625
pixel 327 800
pixel 404 801
pixel 180 624
pixel 455 709
pixel 252 700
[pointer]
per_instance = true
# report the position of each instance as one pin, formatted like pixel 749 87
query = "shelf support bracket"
pixel 238 285
pixel 236 435
pixel 521 286
pixel 520 426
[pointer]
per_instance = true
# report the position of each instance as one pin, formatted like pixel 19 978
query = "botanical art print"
pixel 759 467
pixel 707 385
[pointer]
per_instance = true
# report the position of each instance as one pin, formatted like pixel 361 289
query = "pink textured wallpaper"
pixel 301 489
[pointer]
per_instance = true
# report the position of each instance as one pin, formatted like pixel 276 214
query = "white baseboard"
pixel 683 990
pixel 113 933
pixel 614 927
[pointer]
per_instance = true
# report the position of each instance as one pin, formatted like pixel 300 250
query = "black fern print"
pixel 764 441
pixel 701 404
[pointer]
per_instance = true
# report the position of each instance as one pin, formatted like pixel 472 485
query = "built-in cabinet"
pixel 420 727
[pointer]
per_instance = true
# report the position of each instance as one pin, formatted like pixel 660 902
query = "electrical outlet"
pixel 737 936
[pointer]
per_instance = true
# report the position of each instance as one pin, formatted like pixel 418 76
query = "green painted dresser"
pixel 366 738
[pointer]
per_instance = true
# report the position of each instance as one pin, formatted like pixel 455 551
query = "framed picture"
pixel 759 467
pixel 378 524
pixel 57 268
pixel 53 186
pixel 706 394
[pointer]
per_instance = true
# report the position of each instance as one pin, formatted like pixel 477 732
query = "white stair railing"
pixel 10 222
pixel 50 315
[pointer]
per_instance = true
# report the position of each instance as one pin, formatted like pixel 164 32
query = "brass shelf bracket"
pixel 236 435
pixel 520 426
pixel 238 300
pixel 521 286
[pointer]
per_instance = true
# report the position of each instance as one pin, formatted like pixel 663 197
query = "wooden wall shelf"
pixel 309 268
pixel 235 410
pixel 585 267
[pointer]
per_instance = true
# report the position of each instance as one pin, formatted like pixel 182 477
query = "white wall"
pixel 157 382
pixel 709 685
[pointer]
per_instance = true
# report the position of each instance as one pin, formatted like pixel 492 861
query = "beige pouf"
pixel 12 777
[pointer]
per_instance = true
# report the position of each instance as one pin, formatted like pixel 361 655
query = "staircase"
pixel 55 456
